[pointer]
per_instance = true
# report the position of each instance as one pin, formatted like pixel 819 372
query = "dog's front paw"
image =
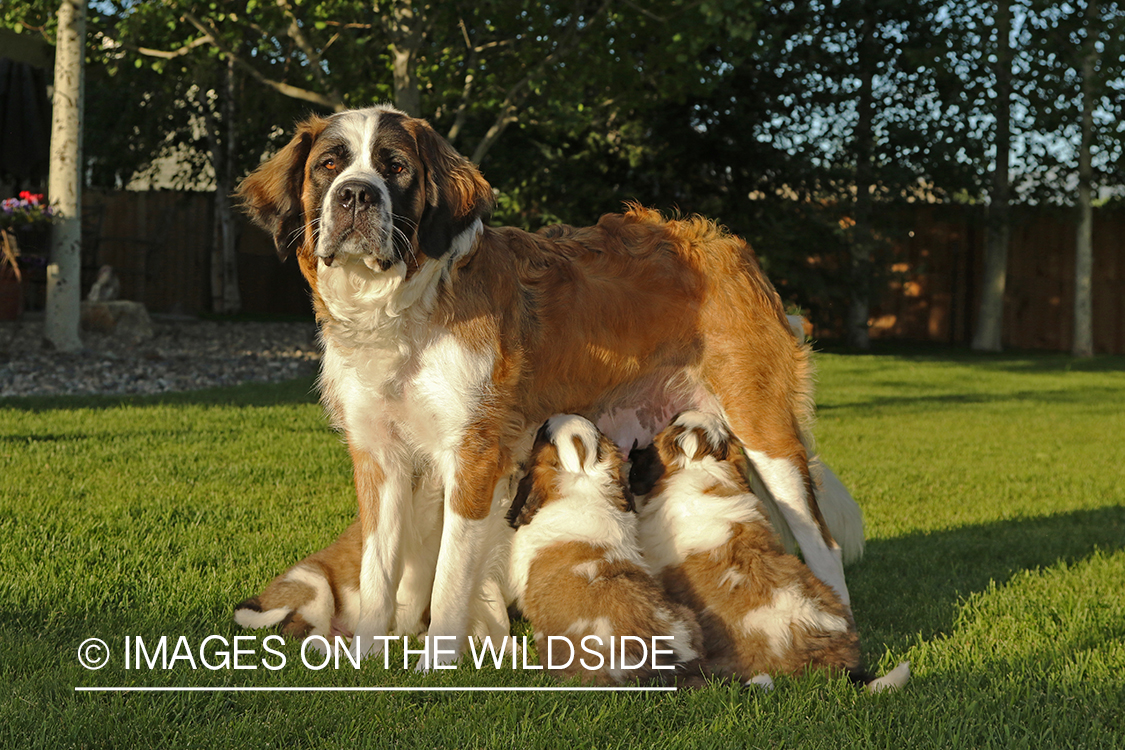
pixel 364 646
pixel 440 652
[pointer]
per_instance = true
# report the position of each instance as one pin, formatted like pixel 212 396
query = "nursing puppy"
pixel 578 574
pixel 707 539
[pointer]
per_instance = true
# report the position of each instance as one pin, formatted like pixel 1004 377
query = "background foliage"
pixel 775 117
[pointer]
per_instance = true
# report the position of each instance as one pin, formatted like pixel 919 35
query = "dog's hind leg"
pixel 790 485
pixel 763 386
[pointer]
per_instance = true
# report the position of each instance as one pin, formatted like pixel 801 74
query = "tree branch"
pixel 169 54
pixel 298 35
pixel 285 89
pixel 517 94
pixel 467 89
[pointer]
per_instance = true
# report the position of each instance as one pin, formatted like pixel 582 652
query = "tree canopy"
pixel 798 124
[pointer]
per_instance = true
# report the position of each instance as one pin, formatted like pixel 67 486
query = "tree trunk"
pixel 65 186
pixel 862 235
pixel 1083 345
pixel 225 298
pixel 406 39
pixel 224 186
pixel 990 322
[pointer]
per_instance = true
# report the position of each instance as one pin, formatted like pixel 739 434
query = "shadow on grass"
pixel 297 391
pixel 914 585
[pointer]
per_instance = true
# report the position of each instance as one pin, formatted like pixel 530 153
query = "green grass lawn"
pixel 994 494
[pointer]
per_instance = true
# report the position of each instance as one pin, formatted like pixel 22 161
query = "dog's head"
pixel 570 454
pixel 373 185
pixel 692 438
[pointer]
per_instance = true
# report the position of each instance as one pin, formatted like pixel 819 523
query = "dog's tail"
pixel 891 681
pixel 249 614
pixel 841 512
pixel 317 596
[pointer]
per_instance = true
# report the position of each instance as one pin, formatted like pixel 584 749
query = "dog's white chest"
pixel 442 397
pixel 424 396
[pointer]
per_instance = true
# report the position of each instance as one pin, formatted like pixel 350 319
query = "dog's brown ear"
pixel 645 471
pixel 271 195
pixel 526 503
pixel 456 192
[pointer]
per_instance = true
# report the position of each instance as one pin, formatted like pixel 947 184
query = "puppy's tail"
pixel 300 600
pixel 249 614
pixel 891 681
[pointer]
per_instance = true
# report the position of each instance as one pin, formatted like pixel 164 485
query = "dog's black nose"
pixel 357 194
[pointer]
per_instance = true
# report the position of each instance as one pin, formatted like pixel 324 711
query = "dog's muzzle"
pixel 358 222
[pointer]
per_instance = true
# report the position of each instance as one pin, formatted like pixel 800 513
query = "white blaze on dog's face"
pixel 692 488
pixel 695 441
pixel 570 461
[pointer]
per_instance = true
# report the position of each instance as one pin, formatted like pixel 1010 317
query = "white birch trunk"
pixel 990 321
pixel 1083 345
pixel 65 180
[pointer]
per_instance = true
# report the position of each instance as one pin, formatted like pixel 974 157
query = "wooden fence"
pixel 938 264
pixel 160 243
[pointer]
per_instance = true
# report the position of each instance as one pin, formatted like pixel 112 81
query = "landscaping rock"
pixel 185 354
pixel 122 318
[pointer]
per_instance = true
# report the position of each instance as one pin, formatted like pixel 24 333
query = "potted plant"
pixel 27 210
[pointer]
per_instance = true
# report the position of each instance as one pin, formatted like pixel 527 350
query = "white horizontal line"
pixel 285 689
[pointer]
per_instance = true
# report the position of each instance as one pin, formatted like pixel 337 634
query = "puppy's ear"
pixel 628 503
pixel 456 192
pixel 271 195
pixel 646 470
pixel 526 503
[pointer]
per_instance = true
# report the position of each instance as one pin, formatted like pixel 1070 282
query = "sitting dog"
pixel 707 539
pixel 578 574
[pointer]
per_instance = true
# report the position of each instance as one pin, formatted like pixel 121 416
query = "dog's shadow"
pixel 912 586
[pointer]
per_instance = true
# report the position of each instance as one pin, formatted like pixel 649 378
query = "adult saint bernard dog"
pixel 448 342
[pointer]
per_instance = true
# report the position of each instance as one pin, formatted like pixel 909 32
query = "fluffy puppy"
pixel 708 540
pixel 317 596
pixel 577 571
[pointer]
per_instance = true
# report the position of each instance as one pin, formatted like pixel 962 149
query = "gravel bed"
pixel 183 355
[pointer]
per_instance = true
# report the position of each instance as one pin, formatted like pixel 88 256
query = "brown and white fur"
pixel 317 596
pixel 708 540
pixel 576 567
pixel 447 342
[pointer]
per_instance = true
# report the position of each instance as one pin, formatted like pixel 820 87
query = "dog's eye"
pixel 329 164
pixel 396 167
